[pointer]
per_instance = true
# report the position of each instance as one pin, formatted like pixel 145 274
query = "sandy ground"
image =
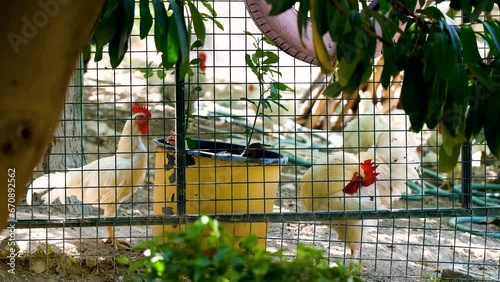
pixel 416 249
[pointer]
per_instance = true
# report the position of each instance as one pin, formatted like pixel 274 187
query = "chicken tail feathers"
pixel 56 181
pixel 57 193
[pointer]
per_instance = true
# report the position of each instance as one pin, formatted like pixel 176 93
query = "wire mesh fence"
pixel 344 175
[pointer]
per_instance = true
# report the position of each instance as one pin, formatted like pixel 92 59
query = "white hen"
pixel 107 182
pixel 361 133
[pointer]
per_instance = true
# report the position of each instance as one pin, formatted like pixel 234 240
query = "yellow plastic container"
pixel 218 180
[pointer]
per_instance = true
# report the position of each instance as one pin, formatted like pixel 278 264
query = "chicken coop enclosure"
pixel 249 139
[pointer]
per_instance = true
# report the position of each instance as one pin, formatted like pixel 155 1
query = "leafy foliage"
pixel 172 30
pixel 264 66
pixel 205 252
pixel 446 80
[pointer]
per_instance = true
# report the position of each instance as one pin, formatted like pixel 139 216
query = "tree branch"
pixel 383 40
pixel 402 9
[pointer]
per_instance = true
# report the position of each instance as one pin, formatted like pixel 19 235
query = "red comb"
pixel 203 56
pixel 203 63
pixel 141 109
pixel 369 168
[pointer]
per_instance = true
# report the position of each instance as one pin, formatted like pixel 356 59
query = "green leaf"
pixel 281 86
pixel 199 25
pixel 482 74
pixel 429 64
pixel 98 54
pixel 161 74
pixel 302 16
pixel 266 105
pixel 279 6
pixel 447 162
pixel 469 45
pixel 277 102
pixel 466 7
pixel 170 46
pixel 346 70
pixel 436 96
pixel 385 6
pixel 268 41
pixel 105 29
pixel 216 22
pixel 457 100
pixel 196 44
pixel 86 52
pixel 476 113
pixel 149 74
pixel 123 260
pixel 389 28
pixel 491 131
pixel 453 34
pixel 389 65
pixel 118 46
pixel 209 8
pixel 249 101
pixel 321 15
pixel 333 90
pixel 183 41
pixel 274 91
pixel 109 7
pixel 489 6
pixel 248 61
pixel 257 55
pixel 195 61
pixel 248 33
pixel 414 100
pixel 272 58
pixel 444 53
pixel 146 19
pixel 161 24
pixel 491 34
pixel 478 8
pixel 480 138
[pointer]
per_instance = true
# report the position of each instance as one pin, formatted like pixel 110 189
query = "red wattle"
pixel 353 186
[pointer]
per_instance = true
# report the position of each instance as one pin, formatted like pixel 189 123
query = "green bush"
pixel 205 252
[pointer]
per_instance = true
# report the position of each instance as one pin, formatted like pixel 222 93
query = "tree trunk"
pixel 66 149
pixel 42 41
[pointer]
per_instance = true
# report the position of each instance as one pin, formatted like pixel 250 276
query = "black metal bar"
pixel 254 217
pixel 467 175
pixel 180 112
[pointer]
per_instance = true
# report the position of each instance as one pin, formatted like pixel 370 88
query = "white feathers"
pixel 101 182
pixel 361 133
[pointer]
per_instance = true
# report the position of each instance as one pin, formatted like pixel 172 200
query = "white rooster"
pixel 107 182
pixel 371 180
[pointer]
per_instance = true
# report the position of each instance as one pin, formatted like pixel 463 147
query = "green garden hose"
pixel 486 195
pixel 455 223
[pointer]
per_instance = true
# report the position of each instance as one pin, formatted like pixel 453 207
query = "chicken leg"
pixel 116 243
pixel 110 211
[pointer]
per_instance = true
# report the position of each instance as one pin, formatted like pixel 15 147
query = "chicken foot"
pixel 116 243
